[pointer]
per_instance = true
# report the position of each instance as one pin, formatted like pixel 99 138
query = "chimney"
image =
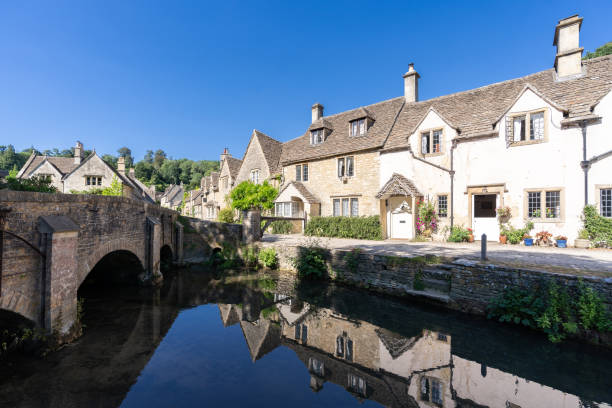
pixel 121 165
pixel 224 156
pixel 317 112
pixel 78 152
pixel 411 84
pixel 133 173
pixel 568 60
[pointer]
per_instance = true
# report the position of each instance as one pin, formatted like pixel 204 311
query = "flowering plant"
pixel 504 212
pixel 561 238
pixel 426 216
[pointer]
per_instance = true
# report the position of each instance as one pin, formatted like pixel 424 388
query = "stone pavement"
pixel 562 260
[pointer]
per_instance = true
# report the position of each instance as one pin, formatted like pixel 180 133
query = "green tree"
pixel 148 157
pixel 126 153
pixel 115 189
pixel 110 160
pixel 248 196
pixel 605 49
pixel 170 171
pixel 159 158
pixel 144 170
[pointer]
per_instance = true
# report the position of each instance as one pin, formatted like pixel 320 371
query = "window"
pixel 316 366
pixel 358 127
pixel 551 209
pixel 431 142
pixel 345 207
pixel 301 333
pixel 301 172
pixel 346 166
pixel 316 136
pixel 255 176
pixel 442 206
pixel 344 347
pixel 605 202
pixel 431 391
pixel 357 384
pixel 526 127
pixel 287 209
pixel 93 181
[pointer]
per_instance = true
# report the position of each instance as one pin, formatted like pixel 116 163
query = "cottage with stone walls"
pixel 80 173
pixel 229 169
pixel 538 144
pixel 261 160
pixel 172 197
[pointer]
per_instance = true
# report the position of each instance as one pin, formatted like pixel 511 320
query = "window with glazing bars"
pixel 553 204
pixel 605 202
pixel 533 204
pixel 442 206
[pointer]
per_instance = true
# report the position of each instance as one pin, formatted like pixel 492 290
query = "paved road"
pixel 564 260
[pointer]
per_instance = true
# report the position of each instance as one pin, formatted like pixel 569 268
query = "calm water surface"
pixel 255 340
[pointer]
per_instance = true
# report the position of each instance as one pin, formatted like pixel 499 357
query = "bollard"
pixel 483 247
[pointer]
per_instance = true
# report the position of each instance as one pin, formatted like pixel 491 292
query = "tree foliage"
pixel 247 196
pixel 605 49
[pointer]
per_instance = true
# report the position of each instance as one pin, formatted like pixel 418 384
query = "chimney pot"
pixel 317 112
pixel 411 84
pixel 224 155
pixel 78 152
pixel 568 59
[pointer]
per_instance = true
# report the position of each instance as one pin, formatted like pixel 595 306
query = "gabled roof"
pixel 64 165
pixel 396 344
pixel 301 188
pixel 398 185
pixel 261 337
pixel 271 149
pixel 233 165
pixel 475 112
pixel 339 140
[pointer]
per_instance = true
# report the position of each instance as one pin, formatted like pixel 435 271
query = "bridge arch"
pixel 166 257
pixel 111 246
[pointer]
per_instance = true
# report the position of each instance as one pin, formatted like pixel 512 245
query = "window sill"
pixel 432 154
pixel 527 142
pixel 546 220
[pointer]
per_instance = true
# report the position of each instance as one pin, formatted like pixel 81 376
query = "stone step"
pixel 437 285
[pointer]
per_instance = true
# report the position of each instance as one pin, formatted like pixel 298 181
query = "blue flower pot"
pixel 528 241
pixel 562 243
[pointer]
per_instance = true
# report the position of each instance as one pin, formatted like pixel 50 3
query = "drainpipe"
pixel 585 164
pixel 452 183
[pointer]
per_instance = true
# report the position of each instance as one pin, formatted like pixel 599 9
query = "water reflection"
pixel 317 345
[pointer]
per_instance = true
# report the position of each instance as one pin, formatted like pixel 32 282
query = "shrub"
pixel 352 259
pixel 281 227
pixel 592 312
pixel 226 215
pixel 345 227
pixel 268 258
pixel 516 306
pixel 459 234
pixel 40 183
pixel 250 256
pixel 310 262
pixel 599 229
pixel 515 236
pixel 558 319
pixel 247 196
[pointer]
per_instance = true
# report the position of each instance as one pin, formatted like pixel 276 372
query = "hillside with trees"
pixel 155 168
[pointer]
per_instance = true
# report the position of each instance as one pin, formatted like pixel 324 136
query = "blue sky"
pixel 194 77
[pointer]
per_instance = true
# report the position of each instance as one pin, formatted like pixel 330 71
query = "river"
pixel 261 340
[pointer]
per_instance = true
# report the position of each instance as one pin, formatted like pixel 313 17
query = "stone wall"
pixel 460 284
pixel 105 224
pixel 210 235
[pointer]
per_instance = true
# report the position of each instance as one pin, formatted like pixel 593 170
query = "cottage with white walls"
pixel 540 144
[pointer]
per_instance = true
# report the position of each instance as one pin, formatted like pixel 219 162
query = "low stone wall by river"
pixel 459 284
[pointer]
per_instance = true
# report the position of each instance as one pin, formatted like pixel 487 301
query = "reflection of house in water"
pixel 374 363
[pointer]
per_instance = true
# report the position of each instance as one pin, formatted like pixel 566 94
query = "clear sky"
pixel 194 77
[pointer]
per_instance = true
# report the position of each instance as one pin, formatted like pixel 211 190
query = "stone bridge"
pixel 51 242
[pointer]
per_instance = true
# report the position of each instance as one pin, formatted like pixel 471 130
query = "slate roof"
pixel 339 140
pixel 398 185
pixel 301 188
pixel 476 111
pixel 233 165
pixel 64 165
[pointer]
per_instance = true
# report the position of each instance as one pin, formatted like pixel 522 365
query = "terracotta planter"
pixel 471 238
pixel 503 239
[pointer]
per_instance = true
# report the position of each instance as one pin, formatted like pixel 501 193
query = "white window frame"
pixel 255 176
pixel 511 128
pixel 345 206
pixel 543 216
pixel 317 136
pixel 358 127
pixel 345 166
pixel 428 148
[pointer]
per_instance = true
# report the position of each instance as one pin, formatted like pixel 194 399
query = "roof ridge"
pixel 362 107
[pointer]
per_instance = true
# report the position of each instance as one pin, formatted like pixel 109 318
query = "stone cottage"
pixel 172 197
pixel 537 144
pixel 261 160
pixel 80 173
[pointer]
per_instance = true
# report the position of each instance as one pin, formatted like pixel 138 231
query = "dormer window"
pixel 358 127
pixel 527 127
pixel 431 142
pixel 316 136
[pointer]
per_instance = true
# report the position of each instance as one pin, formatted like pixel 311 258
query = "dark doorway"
pixel 165 259
pixel 484 206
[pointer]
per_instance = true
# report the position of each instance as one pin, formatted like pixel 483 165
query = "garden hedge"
pixel 345 227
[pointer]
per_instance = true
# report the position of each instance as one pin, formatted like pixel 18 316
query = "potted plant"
pixel 503 216
pixel 561 241
pixel 471 235
pixel 427 221
pixel 583 239
pixel 528 240
pixel 543 238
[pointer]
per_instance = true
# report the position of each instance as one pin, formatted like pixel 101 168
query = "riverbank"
pixel 451 278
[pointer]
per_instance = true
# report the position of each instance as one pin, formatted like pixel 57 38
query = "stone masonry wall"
pixel 105 223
